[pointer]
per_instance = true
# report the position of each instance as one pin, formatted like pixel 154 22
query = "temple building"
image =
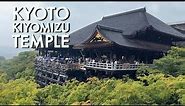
pixel 112 47
pixel 180 26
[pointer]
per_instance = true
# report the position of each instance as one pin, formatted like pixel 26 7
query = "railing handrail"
pixel 91 64
pixel 112 66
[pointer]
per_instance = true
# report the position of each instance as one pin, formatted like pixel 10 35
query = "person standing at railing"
pixel 93 63
pixel 79 60
pixel 135 62
pixel 126 65
pixel 87 60
pixel 112 64
pixel 107 61
pixel 115 64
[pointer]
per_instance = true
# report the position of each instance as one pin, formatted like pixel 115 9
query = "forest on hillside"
pixel 162 84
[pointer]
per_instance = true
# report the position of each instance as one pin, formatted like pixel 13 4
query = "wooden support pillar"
pixel 46 53
pixel 111 55
pixel 95 51
pixel 81 52
pixel 42 52
pixel 39 52
pixel 111 73
pixel 106 73
pixel 146 58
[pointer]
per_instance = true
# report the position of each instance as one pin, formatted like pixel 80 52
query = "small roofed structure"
pixel 180 26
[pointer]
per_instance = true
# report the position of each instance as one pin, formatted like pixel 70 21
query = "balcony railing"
pixel 111 66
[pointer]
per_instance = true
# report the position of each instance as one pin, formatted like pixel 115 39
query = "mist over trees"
pixel 2 58
pixel 162 84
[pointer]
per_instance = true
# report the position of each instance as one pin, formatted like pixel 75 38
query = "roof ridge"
pixel 146 19
pixel 109 28
pixel 176 23
pixel 143 9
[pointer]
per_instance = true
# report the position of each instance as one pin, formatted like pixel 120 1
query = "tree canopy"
pixel 163 84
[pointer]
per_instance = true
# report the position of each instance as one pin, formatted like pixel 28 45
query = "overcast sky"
pixel 84 13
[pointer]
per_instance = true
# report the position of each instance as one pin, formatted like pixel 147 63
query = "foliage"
pixel 20 66
pixel 19 91
pixel 173 63
pixel 162 85
pixel 3 77
pixel 160 90
pixel 2 58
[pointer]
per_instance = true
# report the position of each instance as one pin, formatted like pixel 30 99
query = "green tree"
pixel 173 63
pixel 19 91
pixel 50 94
pixel 3 77
pixel 2 58
pixel 20 66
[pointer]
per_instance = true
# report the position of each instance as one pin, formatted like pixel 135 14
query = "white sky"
pixel 84 13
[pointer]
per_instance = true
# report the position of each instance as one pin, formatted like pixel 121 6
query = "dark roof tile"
pixel 128 23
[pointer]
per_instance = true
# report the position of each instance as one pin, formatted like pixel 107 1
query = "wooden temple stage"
pixel 114 46
pixel 47 73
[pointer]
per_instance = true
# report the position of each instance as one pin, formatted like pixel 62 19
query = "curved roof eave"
pixel 140 21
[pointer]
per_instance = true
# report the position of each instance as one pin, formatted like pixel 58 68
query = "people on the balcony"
pixel 115 64
pixel 56 63
pixel 136 62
